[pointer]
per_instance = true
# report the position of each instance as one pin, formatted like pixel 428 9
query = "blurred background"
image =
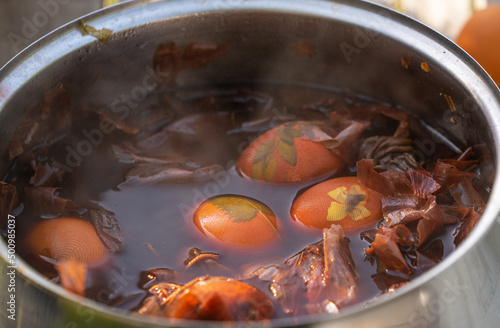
pixel 22 22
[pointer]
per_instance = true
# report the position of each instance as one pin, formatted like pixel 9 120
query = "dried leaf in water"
pixel 8 201
pixel 73 276
pixel 466 227
pixel 339 274
pixel 387 250
pixel 319 132
pixel 455 213
pixel 264 273
pixel 403 130
pixel 320 272
pixel 261 124
pixel 181 140
pixel 107 228
pixel 304 275
pixel 45 202
pixel 373 180
pixel 102 35
pixel 400 234
pixel 115 121
pixel 289 289
pixel 427 212
pixel 340 143
pixel 466 195
pixel 431 223
pixel 46 175
pixel 128 154
pixel 447 174
pixel 45 122
pixel 347 139
pixel 460 165
pixel 167 173
pixel 422 184
pixel 23 135
pixel 387 111
pixel 399 181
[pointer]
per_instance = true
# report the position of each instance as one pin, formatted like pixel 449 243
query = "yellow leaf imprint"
pixel 350 203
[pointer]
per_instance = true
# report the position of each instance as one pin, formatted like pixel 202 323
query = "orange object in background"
pixel 480 37
pixel 340 201
pixel 237 220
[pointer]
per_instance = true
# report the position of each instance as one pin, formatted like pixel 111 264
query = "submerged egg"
pixel 340 201
pixel 219 298
pixel 282 155
pixel 67 239
pixel 237 220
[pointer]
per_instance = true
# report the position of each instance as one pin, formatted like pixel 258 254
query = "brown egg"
pixel 237 220
pixel 221 299
pixel 67 239
pixel 281 155
pixel 340 201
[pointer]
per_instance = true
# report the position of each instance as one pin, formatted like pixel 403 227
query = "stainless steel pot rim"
pixel 14 76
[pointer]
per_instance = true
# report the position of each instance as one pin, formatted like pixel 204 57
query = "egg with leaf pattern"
pixel 236 220
pixel 342 201
pixel 287 154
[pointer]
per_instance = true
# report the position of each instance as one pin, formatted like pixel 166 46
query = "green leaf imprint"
pixel 270 169
pixel 264 151
pixel 264 161
pixel 287 152
pixel 241 209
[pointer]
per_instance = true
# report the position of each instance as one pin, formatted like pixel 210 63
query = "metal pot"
pixel 358 47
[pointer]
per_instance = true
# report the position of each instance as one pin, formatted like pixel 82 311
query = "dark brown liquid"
pixel 156 220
